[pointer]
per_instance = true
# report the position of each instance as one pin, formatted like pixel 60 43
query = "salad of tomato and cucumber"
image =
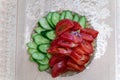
pixel 62 42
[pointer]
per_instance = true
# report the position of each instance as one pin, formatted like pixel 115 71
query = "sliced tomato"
pixel 53 50
pixel 63 26
pixel 73 66
pixel 67 44
pixel 79 50
pixel 90 31
pixel 72 36
pixel 87 37
pixel 64 51
pixel 80 59
pixel 77 26
pixel 59 68
pixel 55 59
pixel 87 47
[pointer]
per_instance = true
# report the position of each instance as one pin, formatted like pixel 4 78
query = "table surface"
pixel 8 23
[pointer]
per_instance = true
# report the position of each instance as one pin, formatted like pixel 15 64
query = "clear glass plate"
pixel 97 12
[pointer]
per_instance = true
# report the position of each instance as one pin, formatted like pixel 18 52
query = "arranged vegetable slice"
pixel 62 16
pixel 55 18
pixel 82 21
pixel 49 19
pixel 44 24
pixel 39 30
pixel 69 15
pixel 32 51
pixel 51 35
pixel 32 45
pixel 40 39
pixel 33 35
pixel 44 61
pixel 43 47
pixel 63 26
pixel 76 17
pixel 43 67
pixel 38 56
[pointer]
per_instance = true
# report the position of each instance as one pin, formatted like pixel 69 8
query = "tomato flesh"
pixel 63 26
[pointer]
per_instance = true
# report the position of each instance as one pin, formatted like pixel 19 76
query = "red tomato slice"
pixel 73 66
pixel 90 31
pixel 79 58
pixel 67 44
pixel 87 37
pixel 72 36
pixel 77 26
pixel 55 59
pixel 59 68
pixel 86 46
pixel 79 50
pixel 64 51
pixel 63 26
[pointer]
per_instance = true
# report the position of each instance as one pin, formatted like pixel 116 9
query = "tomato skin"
pixel 90 31
pixel 77 26
pixel 64 51
pixel 69 36
pixel 59 68
pixel 63 26
pixel 87 47
pixel 87 37
pixel 74 67
pixel 79 50
pixel 67 44
pixel 55 59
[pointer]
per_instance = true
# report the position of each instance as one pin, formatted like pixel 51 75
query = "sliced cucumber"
pixel 55 18
pixel 33 35
pixel 44 24
pixel 82 21
pixel 32 51
pixel 43 67
pixel 51 35
pixel 31 59
pixel 43 47
pixel 44 61
pixel 62 16
pixel 32 45
pixel 49 55
pixel 76 17
pixel 39 30
pixel 49 18
pixel 38 56
pixel 68 15
pixel 40 40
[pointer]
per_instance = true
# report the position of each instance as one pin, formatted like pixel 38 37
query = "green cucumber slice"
pixel 31 59
pixel 40 39
pixel 39 30
pixel 55 18
pixel 82 21
pixel 44 61
pixel 44 24
pixel 38 56
pixel 76 17
pixel 68 15
pixel 49 55
pixel 33 35
pixel 62 16
pixel 43 47
pixel 32 51
pixel 43 67
pixel 49 18
pixel 32 45
pixel 51 35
